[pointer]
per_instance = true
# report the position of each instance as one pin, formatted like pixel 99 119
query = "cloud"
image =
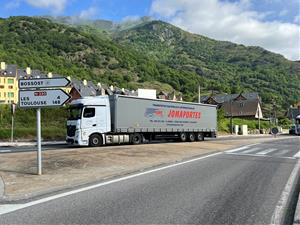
pixel 131 18
pixel 231 21
pixel 88 13
pixel 283 12
pixel 297 19
pixel 56 6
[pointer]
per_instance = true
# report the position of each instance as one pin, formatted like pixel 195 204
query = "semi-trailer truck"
pixel 119 119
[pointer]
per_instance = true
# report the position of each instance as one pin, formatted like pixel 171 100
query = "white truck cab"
pixel 89 120
pixel 297 125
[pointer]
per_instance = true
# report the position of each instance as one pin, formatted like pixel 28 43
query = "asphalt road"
pixel 237 187
pixel 46 147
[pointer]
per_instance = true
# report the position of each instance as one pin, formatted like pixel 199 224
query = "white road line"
pixel 281 152
pixel 297 155
pixel 250 150
pixel 10 208
pixel 266 151
pixel 279 212
pixel 256 155
pixel 241 148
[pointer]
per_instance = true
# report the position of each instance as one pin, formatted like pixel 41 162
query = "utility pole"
pixel 231 122
pixel 199 94
pixel 13 109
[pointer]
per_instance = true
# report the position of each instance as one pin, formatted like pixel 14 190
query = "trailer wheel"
pixel 95 140
pixel 199 137
pixel 182 137
pixel 136 139
pixel 191 137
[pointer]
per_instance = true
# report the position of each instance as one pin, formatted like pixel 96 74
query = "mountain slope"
pixel 42 44
pixel 228 67
pixel 151 54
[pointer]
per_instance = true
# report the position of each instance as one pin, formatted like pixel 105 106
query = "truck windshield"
pixel 75 113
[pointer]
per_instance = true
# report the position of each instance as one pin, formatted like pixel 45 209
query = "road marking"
pixel 297 155
pixel 10 208
pixel 280 209
pixel 250 150
pixel 241 148
pixel 256 155
pixel 266 151
pixel 281 152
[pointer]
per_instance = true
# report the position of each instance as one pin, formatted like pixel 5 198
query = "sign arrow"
pixel 42 98
pixel 43 82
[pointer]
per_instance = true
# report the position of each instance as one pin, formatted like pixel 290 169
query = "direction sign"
pixel 42 98
pixel 43 82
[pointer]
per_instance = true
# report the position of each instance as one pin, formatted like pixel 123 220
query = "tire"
pixel 136 139
pixel 199 137
pixel 191 137
pixel 95 140
pixel 182 137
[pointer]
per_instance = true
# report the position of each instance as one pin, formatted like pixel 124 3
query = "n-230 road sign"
pixel 42 98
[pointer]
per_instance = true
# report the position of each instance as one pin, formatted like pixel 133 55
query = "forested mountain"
pixel 148 54
pixel 225 66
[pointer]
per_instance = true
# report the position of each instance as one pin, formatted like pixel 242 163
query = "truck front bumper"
pixel 76 141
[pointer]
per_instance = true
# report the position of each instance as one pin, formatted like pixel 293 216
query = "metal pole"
pixel 39 146
pixel 12 128
pixel 199 94
pixel 231 125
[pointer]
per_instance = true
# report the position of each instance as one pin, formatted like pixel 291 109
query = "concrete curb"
pixel 23 144
pixel 297 213
pixel 1 188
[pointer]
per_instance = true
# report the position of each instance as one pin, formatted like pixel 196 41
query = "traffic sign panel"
pixel 42 98
pixel 43 82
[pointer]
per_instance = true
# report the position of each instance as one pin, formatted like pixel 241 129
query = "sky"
pixel 271 24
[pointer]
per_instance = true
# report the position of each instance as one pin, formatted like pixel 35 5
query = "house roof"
pixel 84 90
pixel 9 71
pixel 241 108
pixel 226 98
pixel 292 113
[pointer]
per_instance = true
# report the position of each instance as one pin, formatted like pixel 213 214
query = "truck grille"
pixel 71 130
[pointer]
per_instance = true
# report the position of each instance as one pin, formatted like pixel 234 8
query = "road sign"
pixel 274 130
pixel 42 98
pixel 43 82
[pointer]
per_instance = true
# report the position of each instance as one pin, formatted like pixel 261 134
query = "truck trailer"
pixel 119 119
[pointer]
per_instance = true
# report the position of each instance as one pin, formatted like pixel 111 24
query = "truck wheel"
pixel 191 137
pixel 136 139
pixel 182 137
pixel 199 137
pixel 95 140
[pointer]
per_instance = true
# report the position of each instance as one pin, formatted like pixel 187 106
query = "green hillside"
pixel 148 54
pixel 227 67
pixel 47 46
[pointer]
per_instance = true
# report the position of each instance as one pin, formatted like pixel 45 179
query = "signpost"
pixel 42 98
pixel 38 95
pixel 43 83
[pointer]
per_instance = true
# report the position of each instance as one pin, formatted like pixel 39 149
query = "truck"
pixel 119 119
pixel 295 128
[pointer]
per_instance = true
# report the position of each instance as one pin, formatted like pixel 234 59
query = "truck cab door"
pixel 94 119
pixel 88 121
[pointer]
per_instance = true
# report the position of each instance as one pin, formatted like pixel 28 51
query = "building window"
pixel 242 104
pixel 10 81
pixel 1 86
pixel 10 94
pixel 10 87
